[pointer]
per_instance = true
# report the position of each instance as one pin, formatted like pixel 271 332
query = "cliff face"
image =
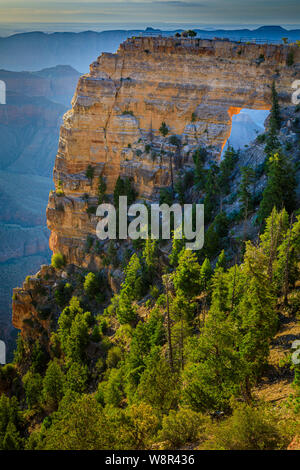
pixel 194 86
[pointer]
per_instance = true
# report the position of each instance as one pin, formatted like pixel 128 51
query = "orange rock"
pixel 193 85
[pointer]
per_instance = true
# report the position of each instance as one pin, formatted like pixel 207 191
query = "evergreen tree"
pixel 221 262
pixel 101 190
pixel 272 142
pixel 275 119
pixel 280 189
pixel 131 291
pixel 206 272
pixel 187 276
pixel 53 384
pixel 227 165
pixel 33 388
pixel 245 193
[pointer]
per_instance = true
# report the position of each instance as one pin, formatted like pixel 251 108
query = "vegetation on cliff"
pixel 175 354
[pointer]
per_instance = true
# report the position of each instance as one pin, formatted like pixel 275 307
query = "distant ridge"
pixel 33 51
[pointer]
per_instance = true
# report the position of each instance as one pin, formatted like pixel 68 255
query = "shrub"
pixel 126 112
pixel 89 242
pixel 96 335
pixel 90 173
pixel 91 210
pixel 114 356
pixel 91 285
pixel 101 189
pixel 180 427
pixel 124 187
pixel 59 295
pixel 164 130
pixel 191 33
pixel 249 428
pixel 166 196
pixel 174 140
pixel 58 260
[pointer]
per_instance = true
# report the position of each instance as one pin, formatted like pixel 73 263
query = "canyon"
pixel 29 130
pixel 194 86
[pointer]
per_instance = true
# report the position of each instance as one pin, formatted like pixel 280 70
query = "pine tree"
pixel 187 276
pixel 131 291
pixel 275 119
pixel 101 190
pixel 280 189
pixel 244 193
pixel 206 272
pixel 272 143
pixel 12 439
pixel 53 384
pixel 221 262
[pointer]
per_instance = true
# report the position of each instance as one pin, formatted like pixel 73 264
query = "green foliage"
pixel 158 385
pixel 250 428
pixel 227 166
pixel 280 189
pixel 164 130
pixel 90 172
pixel 63 293
pixel 272 142
pixel 101 190
pixel 186 278
pixel 199 157
pixel 206 273
pixel 76 378
pixel 58 260
pixel 275 119
pixel 166 196
pixel 215 235
pixel 53 384
pixel 33 388
pixel 73 331
pixel 212 192
pixel 81 424
pixel 244 192
pixel 114 356
pixel 174 140
pixel 124 188
pixel 150 256
pixel 221 263
pixel 131 290
pixel 127 113
pixel 91 285
pixel 181 427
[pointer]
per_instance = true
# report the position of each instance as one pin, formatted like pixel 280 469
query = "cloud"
pixel 179 11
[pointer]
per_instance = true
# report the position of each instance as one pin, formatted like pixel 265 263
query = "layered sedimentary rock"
pixel 194 86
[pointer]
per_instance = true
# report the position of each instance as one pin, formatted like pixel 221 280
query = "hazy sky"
pixel 145 11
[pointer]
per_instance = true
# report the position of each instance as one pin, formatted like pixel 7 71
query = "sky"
pixel 268 12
